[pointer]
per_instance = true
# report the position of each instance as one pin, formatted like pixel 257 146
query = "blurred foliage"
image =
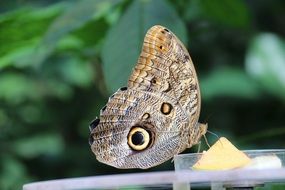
pixel 60 60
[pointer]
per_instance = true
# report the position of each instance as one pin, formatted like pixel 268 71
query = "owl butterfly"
pixel 156 116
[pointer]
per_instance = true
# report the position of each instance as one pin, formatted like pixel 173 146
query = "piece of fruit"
pixel 221 156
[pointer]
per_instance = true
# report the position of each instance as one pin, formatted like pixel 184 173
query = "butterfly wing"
pixel 153 118
pixel 165 67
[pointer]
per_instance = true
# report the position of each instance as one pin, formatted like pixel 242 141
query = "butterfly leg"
pixel 196 134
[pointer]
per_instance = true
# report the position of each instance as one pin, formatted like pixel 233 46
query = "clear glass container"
pixel 266 166
pixel 186 161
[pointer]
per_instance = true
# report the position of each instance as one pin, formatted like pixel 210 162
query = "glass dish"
pixel 186 161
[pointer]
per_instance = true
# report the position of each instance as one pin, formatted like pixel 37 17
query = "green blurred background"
pixel 60 60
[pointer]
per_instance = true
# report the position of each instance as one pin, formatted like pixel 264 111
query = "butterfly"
pixel 156 115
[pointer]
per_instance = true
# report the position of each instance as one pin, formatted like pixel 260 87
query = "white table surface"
pixel 196 178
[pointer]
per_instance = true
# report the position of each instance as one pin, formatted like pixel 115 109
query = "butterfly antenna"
pixel 199 147
pixel 206 140
pixel 212 133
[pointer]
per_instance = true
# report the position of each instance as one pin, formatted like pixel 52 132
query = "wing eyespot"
pixel 153 81
pixel 166 108
pixel 139 138
pixel 146 116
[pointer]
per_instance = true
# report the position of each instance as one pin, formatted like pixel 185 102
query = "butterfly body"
pixel 156 115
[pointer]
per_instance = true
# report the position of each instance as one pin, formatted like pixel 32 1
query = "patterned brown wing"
pixel 156 116
pixel 113 135
pixel 165 66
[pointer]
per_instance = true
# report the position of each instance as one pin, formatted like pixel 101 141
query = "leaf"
pixel 228 82
pixel 70 42
pixel 77 72
pixel 31 114
pixel 32 22
pixel 232 13
pixel 73 18
pixel 124 40
pixel 19 57
pixel 91 34
pixel 13 173
pixel 265 62
pixel 31 147
pixel 15 88
pixel 4 119
pixel 55 88
pixel 23 29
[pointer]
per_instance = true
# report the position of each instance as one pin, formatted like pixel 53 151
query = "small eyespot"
pixel 166 108
pixel 161 47
pixel 124 88
pixel 138 138
pixel 153 81
pixel 91 139
pixel 145 116
pixel 162 31
pixel 94 124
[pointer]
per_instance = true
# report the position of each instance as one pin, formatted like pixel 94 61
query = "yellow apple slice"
pixel 222 155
